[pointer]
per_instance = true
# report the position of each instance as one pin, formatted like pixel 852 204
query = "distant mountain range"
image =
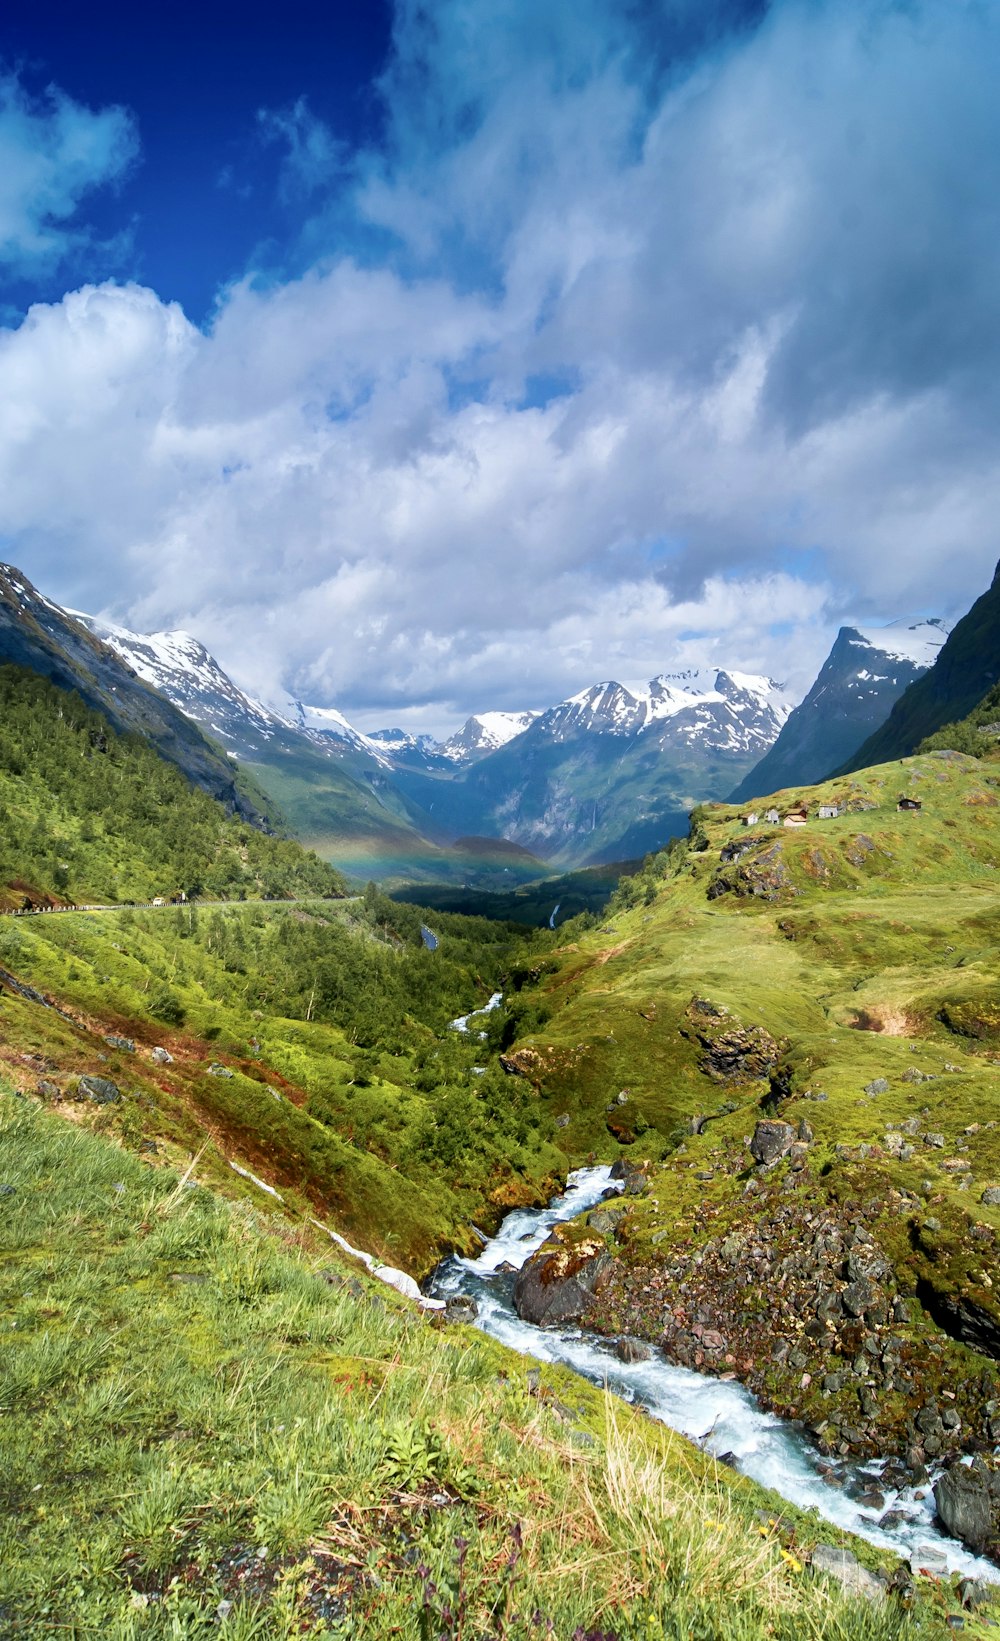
pixel 863 676
pixel 608 774
pixel 612 772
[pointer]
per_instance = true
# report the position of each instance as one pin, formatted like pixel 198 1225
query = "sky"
pixel 428 358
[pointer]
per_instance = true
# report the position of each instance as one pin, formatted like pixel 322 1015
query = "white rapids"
pixel 721 1416
pixel 462 1023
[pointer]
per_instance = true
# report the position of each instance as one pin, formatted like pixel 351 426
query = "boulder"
pixel 632 1350
pixel 633 1178
pixel 217 1070
pixel 964 1504
pixel 101 1090
pixel 162 1056
pixel 847 1571
pixel 770 1142
pixel 461 1307
pixel 126 1044
pixel 991 1196
pixel 560 1282
pixel 605 1221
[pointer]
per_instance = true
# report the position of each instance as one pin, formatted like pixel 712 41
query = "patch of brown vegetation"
pixel 886 1018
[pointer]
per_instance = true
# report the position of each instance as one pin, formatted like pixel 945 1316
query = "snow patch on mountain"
pixel 916 641
pixel 485 732
pixel 182 669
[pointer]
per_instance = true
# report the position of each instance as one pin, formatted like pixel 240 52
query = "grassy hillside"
pixel 978 734
pixel 310 1045
pixel 839 978
pixel 214 1428
pixel 87 815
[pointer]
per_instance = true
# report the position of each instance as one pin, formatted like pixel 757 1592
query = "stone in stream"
pixel 965 1504
pixel 560 1282
pixel 632 1350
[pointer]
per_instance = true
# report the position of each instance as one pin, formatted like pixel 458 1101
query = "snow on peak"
pixel 181 668
pixel 914 641
pixel 486 732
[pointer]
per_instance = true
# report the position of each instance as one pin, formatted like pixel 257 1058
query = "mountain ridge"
pixel 965 670
pixel 865 672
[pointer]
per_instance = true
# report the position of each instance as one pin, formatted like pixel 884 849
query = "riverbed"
pixel 721 1416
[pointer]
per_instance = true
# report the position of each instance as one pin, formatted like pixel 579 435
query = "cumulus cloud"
pixel 53 153
pixel 680 346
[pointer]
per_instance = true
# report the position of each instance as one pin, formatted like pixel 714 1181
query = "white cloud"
pixel 53 153
pixel 665 367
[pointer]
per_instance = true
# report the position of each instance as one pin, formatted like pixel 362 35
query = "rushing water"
pixel 462 1023
pixel 720 1415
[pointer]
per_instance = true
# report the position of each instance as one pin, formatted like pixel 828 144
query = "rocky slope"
pixel 812 1139
pixel 863 676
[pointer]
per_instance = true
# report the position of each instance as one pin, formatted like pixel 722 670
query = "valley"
pixel 780 1038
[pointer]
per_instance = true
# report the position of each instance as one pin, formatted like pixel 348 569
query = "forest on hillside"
pixel 89 815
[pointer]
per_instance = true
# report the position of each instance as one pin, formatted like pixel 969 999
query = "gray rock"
pixel 559 1284
pixel 974 1593
pixel 126 1044
pixel 878 1085
pixel 461 1307
pixel 991 1196
pixel 217 1070
pixel 563 1120
pixel 101 1090
pixel 859 1296
pixel 936 1140
pixel 162 1056
pixel 847 1571
pixel 963 1501
pixel 47 1090
pixel 632 1350
pixel 770 1142
pixel 605 1221
pixel 926 1559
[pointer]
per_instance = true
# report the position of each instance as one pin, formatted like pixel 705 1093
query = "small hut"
pixel 828 811
pixel 773 818
pixel 796 817
pixel 750 818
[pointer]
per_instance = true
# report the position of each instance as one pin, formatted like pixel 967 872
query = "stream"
pixel 720 1416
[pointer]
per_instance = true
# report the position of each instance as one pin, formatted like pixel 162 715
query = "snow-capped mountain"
pixel 610 772
pixel 182 669
pixel 485 732
pixel 38 634
pixel 731 710
pixel 864 674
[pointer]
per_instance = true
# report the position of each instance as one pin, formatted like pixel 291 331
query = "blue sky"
pixel 427 358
